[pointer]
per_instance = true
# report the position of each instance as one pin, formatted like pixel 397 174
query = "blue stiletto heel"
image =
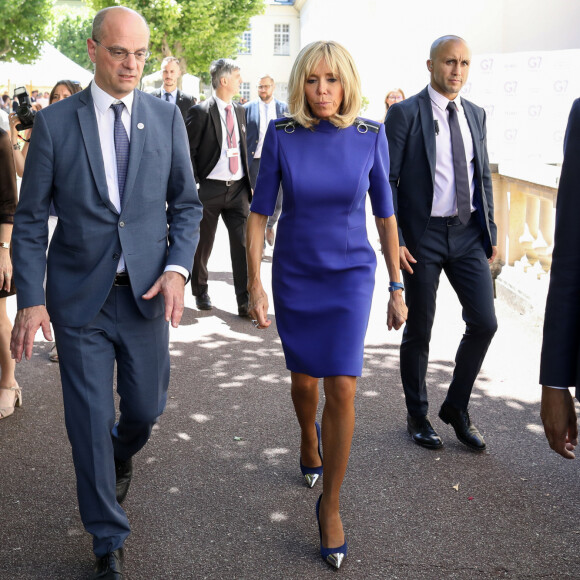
pixel 311 474
pixel 332 556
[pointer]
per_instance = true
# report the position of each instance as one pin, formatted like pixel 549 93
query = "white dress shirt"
pixel 221 171
pixel 267 114
pixel 444 195
pixel 105 124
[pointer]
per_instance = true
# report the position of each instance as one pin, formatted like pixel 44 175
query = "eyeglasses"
pixel 394 98
pixel 121 54
pixel 260 87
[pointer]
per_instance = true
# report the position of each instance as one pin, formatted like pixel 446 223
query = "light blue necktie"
pixel 121 148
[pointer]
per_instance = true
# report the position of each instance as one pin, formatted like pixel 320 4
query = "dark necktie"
pixel 231 139
pixel 462 189
pixel 121 148
pixel 167 95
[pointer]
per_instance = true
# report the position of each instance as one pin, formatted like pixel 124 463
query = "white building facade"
pixel 270 46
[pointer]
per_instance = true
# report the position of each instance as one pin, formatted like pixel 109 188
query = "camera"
pixel 25 112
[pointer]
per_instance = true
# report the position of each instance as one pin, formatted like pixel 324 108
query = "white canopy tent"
pixel 51 67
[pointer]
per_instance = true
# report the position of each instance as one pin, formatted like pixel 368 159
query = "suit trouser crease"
pixel 233 207
pixel 457 250
pixel 87 356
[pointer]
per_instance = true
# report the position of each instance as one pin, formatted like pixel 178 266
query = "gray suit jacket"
pixel 158 224
pixel 411 136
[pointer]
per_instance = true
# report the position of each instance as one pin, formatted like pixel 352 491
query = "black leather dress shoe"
pixel 109 567
pixel 243 310
pixel 203 302
pixel 422 432
pixel 466 432
pixel 123 473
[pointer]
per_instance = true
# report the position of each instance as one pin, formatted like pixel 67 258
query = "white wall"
pixel 263 60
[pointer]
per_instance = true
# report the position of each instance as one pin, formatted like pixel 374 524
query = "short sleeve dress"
pixel 323 270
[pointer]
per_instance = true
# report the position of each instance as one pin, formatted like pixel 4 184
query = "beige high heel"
pixel 7 411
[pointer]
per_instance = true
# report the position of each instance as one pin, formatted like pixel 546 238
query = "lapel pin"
pixel 140 126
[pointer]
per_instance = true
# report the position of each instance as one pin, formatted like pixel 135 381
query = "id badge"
pixel 233 152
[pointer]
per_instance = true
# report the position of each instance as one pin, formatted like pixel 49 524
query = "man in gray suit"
pixel 114 162
pixel 443 199
pixel 171 73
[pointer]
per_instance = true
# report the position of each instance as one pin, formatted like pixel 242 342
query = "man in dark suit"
pixel 560 361
pixel 217 142
pixel 114 162
pixel 259 113
pixel 171 73
pixel 443 198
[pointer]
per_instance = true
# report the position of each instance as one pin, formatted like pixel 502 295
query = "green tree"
pixel 195 31
pixel 24 27
pixel 70 37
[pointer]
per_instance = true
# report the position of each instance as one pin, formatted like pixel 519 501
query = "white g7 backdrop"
pixel 527 97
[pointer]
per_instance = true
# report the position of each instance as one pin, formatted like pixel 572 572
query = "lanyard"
pixel 230 136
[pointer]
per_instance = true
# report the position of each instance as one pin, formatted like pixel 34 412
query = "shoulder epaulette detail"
pixel 364 125
pixel 289 125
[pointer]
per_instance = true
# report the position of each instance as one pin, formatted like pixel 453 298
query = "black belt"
pixel 448 220
pixel 227 184
pixel 121 279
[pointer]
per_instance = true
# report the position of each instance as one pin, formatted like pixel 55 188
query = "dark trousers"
pixel 254 170
pixel 232 204
pixel 87 356
pixel 458 250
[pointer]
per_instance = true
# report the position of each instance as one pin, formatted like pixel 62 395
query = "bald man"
pixel 117 265
pixel 441 184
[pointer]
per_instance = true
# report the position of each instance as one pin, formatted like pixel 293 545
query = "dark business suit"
pixel 230 200
pixel 459 250
pixel 560 361
pixel 96 323
pixel 253 138
pixel 253 132
pixel 183 101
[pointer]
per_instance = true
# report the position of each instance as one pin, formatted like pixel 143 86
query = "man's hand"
pixel 493 254
pixel 172 286
pixel 406 259
pixel 27 322
pixel 559 419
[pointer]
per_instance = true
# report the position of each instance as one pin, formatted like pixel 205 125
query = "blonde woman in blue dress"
pixel 323 271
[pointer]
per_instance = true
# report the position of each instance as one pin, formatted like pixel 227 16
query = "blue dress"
pixel 323 270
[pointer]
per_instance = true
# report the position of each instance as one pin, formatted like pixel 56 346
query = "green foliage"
pixel 364 104
pixel 195 31
pixel 70 37
pixel 24 27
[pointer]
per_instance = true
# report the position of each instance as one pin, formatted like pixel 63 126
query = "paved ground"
pixel 217 492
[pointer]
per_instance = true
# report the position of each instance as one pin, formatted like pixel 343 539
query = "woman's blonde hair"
pixel 342 65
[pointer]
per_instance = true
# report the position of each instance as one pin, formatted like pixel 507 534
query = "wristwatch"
pixel 5 245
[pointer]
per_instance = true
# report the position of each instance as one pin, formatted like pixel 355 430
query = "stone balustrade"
pixel 525 202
